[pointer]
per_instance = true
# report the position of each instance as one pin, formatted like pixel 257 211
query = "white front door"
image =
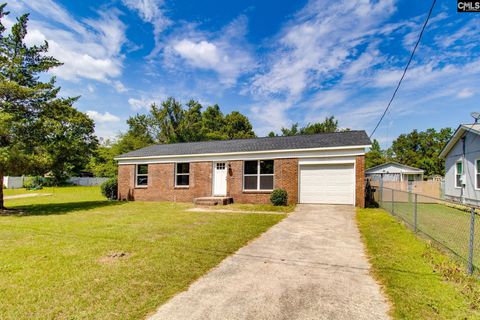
pixel 219 178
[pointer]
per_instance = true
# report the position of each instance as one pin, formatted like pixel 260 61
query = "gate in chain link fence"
pixel 454 226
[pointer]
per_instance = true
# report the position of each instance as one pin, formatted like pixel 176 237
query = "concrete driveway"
pixel 309 266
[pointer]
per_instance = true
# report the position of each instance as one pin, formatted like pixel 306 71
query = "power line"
pixel 406 68
pixel 460 154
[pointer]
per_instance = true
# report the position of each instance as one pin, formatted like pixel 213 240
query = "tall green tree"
pixel 292 131
pixel 213 123
pixel 421 149
pixel 237 126
pixel 37 127
pixel 172 122
pixel 191 126
pixel 167 121
pixel 102 163
pixel 68 138
pixel 330 124
pixel 375 156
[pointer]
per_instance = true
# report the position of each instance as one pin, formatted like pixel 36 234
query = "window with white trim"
pixel 458 174
pixel 141 179
pixel 182 174
pixel 477 173
pixel 258 175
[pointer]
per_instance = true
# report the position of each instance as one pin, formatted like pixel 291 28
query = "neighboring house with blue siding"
pixel 462 164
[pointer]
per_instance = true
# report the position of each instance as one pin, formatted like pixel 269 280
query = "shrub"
pixel 110 188
pixel 33 183
pixel 279 197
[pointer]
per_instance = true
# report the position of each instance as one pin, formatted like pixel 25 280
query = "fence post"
pixel 381 191
pixel 415 213
pixel 471 242
pixel 393 201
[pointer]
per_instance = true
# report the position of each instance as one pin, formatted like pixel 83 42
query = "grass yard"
pixel 74 255
pixel 447 225
pixel 13 192
pixel 260 207
pixel 420 281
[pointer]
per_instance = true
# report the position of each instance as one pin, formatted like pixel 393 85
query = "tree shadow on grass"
pixel 46 209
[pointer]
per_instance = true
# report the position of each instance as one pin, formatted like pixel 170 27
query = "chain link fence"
pixel 454 226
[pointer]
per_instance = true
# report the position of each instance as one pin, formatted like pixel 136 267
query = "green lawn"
pixel 447 225
pixel 12 192
pixel 259 207
pixel 420 281
pixel 58 257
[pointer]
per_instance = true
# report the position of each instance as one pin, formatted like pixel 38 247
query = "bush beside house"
pixel 110 188
pixel 279 197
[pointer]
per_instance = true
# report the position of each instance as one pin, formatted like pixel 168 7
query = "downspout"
pixel 463 184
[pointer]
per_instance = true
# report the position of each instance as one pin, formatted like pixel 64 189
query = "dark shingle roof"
pixel 321 140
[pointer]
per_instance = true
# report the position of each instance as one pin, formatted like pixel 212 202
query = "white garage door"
pixel 328 184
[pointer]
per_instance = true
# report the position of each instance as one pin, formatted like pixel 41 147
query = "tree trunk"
pixel 1 190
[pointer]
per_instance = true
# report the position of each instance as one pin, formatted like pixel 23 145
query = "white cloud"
pixel 270 115
pixel 89 49
pixel 468 33
pixel 225 52
pixel 202 54
pixel 327 62
pixel 151 11
pixel 142 103
pixel 320 41
pixel 119 86
pixel 102 117
pixel 465 93
pixel 318 56
pixel 50 9
pixel 326 99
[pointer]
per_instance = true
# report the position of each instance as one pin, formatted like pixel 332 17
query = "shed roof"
pixel 394 167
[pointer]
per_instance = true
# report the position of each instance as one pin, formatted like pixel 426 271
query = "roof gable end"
pixel 457 135
pixel 401 168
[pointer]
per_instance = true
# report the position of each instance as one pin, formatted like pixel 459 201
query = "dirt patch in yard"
pixel 114 257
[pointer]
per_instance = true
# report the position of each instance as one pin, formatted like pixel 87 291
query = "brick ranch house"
pixel 323 168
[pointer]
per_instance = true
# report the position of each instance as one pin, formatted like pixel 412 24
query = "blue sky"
pixel 278 62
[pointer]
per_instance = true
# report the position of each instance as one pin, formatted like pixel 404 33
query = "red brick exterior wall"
pixel 161 183
pixel 161 186
pixel 360 181
pixel 286 176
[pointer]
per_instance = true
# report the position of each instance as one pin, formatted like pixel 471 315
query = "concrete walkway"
pixel 309 266
pixel 26 195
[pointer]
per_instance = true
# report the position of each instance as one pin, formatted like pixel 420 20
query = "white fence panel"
pixel 85 181
pixel 17 182
pixel 13 182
